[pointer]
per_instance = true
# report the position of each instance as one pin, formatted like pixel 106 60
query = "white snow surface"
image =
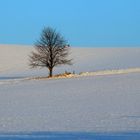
pixel 14 60
pixel 103 101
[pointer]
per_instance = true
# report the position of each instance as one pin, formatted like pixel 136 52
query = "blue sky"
pixel 82 22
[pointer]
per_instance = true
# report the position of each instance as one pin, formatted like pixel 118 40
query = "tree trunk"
pixel 50 72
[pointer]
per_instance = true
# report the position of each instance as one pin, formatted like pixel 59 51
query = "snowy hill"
pixel 14 58
pixel 89 104
pixel 103 101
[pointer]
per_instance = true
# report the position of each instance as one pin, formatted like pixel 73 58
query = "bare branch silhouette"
pixel 50 51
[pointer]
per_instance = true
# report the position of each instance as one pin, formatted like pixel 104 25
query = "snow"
pixel 107 100
pixel 13 57
pixel 14 60
pixel 93 103
pixel 110 72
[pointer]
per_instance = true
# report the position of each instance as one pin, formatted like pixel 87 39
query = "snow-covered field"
pixel 14 60
pixel 98 102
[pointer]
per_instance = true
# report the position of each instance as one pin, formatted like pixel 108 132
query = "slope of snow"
pixel 111 72
pixel 14 60
pixel 94 59
pixel 13 57
pixel 105 98
pixel 93 103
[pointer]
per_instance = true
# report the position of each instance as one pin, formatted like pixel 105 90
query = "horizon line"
pixel 78 46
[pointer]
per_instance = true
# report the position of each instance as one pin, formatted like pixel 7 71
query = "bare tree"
pixel 51 51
